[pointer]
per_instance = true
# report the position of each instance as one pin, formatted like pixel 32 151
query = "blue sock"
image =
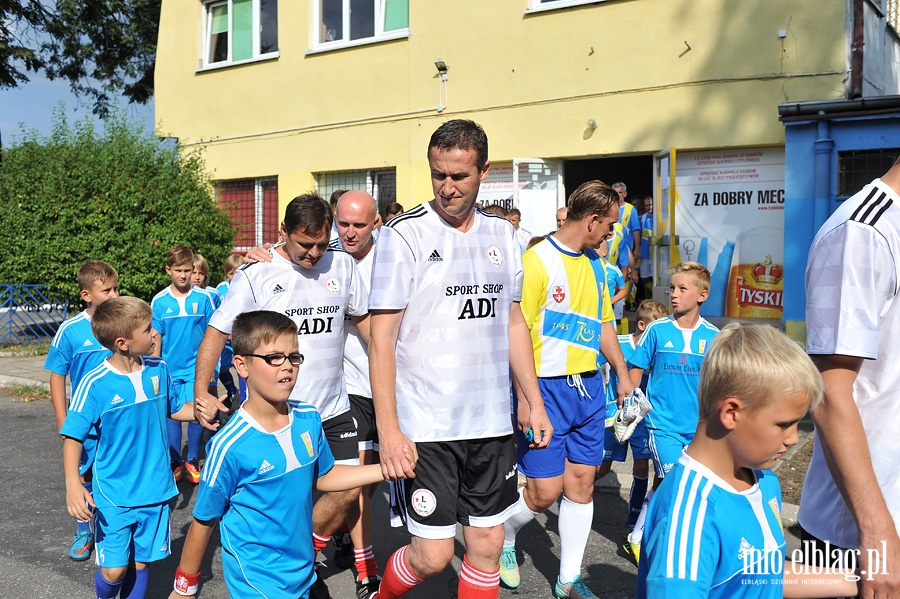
pixel 174 440
pixel 134 586
pixel 195 439
pixel 104 589
pixel 84 526
pixel 636 499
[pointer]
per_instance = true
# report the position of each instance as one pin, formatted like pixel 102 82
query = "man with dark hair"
pixel 446 332
pixel 317 287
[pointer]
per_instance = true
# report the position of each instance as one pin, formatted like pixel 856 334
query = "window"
pixel 382 184
pixel 542 5
pixel 857 168
pixel 342 23
pixel 252 205
pixel 240 30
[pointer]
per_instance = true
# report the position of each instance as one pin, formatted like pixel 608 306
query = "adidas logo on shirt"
pixel 266 466
pixel 669 344
pixel 278 289
pixel 168 310
pixel 87 343
pixel 116 400
pixel 435 257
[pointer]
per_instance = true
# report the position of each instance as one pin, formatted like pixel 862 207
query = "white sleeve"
pixel 519 270
pixel 849 281
pixel 239 299
pixel 358 300
pixel 393 272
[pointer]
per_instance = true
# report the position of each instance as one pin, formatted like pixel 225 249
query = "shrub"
pixel 121 195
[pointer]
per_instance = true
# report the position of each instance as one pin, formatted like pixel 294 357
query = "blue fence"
pixel 30 313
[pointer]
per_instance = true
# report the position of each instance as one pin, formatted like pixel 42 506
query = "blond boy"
pixel 127 399
pixel 714 527
pixel 74 352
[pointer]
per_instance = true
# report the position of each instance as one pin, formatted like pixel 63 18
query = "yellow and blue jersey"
pixel 564 301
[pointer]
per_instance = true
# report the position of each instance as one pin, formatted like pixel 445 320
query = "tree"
pixel 123 196
pixel 103 48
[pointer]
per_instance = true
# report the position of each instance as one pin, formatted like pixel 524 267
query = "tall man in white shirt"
pixel 446 331
pixel 852 487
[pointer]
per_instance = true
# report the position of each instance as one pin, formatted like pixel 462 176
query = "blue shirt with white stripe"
pixel 182 323
pixel 131 467
pixel 74 350
pixel 703 538
pixel 260 485
pixel 674 356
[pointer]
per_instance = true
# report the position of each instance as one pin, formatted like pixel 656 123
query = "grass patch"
pixel 38 348
pixel 27 393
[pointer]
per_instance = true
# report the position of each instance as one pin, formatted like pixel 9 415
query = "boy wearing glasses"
pixel 263 467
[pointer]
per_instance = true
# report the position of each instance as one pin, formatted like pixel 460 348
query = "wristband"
pixel 186 584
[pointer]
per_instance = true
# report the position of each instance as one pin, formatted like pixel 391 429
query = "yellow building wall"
pixel 652 73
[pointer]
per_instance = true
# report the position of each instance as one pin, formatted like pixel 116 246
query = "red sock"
pixel 366 566
pixel 319 542
pixel 398 578
pixel 477 584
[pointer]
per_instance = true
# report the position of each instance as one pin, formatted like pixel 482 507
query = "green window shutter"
pixel 242 38
pixel 396 14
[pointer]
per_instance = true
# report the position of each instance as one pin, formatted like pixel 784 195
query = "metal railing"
pixel 30 313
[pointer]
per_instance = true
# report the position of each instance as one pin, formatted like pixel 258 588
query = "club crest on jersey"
pixel 495 256
pixel 307 441
pixel 155 381
pixel 424 502
pixel 194 306
pixel 332 285
pixel 702 345
pixel 773 503
pixel 559 294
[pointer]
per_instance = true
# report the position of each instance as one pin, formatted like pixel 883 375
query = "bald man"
pixel 561 216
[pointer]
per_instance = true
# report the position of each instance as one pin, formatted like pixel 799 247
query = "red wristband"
pixel 186 584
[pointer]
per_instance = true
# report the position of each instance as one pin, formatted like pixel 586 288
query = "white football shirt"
pixel 356 352
pixel 853 309
pixel 453 344
pixel 316 299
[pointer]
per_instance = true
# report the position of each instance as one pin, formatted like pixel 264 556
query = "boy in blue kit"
pixel 613 451
pixel 232 263
pixel 180 315
pixel 74 352
pixel 262 468
pixel 673 349
pixel 127 399
pixel 714 526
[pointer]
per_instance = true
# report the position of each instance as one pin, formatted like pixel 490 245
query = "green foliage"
pixel 120 195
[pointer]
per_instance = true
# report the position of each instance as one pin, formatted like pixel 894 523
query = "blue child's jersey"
pixel 702 538
pixel 222 289
pixel 182 322
pixel 646 235
pixel 74 350
pixel 626 343
pixel 673 355
pixel 131 467
pixel 260 485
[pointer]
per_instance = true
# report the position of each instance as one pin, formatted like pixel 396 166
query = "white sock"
pixel 574 528
pixel 522 516
pixel 638 533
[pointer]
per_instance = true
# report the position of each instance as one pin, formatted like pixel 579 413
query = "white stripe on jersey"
pixel 76 404
pixel 684 510
pixel 60 332
pixel 218 448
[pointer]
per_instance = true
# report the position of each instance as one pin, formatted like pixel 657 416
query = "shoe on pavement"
pixel 368 588
pixel 509 568
pixel 81 546
pixel 343 551
pixel 319 590
pixel 577 589
pixel 177 471
pixel 192 467
pixel 631 548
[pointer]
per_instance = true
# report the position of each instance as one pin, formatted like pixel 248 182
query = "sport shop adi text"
pixel 810 559
pixel 476 307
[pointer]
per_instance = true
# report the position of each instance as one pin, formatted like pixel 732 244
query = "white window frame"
pixel 380 34
pixel 207 28
pixel 538 6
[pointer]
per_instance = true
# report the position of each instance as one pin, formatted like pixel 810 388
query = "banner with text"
pixel 730 217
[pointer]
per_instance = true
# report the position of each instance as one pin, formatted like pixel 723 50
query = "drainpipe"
pixel 824 147
pixel 856 50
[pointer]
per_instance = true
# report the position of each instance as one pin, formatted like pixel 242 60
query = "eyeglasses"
pixel 279 359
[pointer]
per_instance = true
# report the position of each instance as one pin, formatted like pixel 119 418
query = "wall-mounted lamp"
pixel 591 124
pixel 589 130
pixel 442 69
